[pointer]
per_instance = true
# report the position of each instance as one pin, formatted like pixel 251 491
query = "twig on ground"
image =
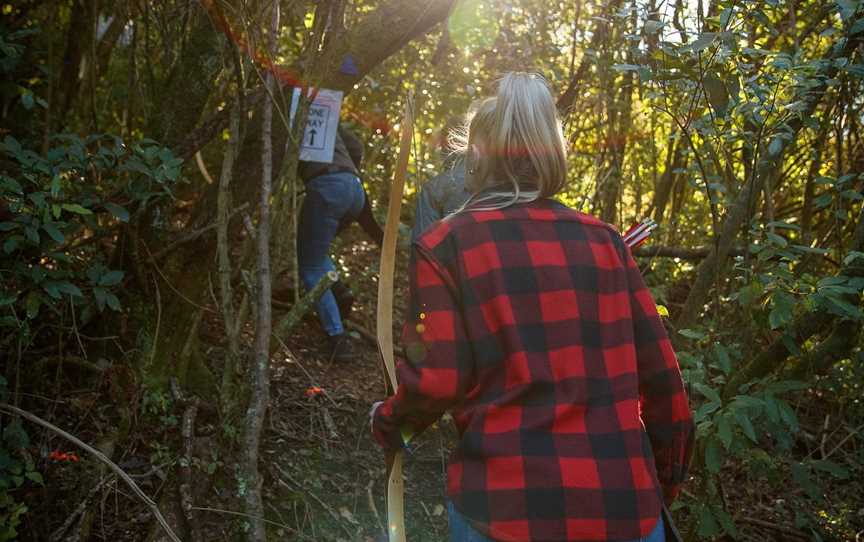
pixel 329 509
pixel 329 423
pixel 371 498
pixel 785 529
pixel 154 509
pixel 60 532
pixel 242 515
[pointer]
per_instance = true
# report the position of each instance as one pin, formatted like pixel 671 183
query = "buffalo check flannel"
pixel 533 325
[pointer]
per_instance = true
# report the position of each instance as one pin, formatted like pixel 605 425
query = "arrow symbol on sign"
pixel 312 137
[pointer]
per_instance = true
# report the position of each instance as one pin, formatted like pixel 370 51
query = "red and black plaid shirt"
pixel 532 324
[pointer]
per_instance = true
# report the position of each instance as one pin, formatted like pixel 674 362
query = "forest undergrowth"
pixel 324 475
pixel 136 139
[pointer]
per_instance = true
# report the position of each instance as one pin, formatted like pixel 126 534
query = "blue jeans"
pixel 329 199
pixel 461 530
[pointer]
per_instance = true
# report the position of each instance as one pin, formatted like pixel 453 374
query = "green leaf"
pixel 708 392
pixel 772 410
pixel 77 209
pixel 11 244
pixel 781 313
pixel 652 27
pixel 713 456
pixel 822 201
pixel 788 415
pixel 718 95
pixel 847 8
pixel 801 475
pixel 69 288
pixel 702 42
pixel 112 301
pixel 791 345
pixel 834 469
pixel 727 522
pixel 55 233
pixel 51 288
pixel 32 234
pixel 724 431
pixel 111 278
pixel 11 145
pixel 746 425
pixel 11 185
pixel 703 411
pixel 100 294
pixel 34 300
pixel 120 212
pixel 784 386
pixel 725 17
pixel 55 186
pixel 852 256
pixel 811 250
pixel 692 334
pixel 708 527
pixel 34 477
pixel 16 438
pixel 26 99
pixel 777 239
pixel 723 360
pixel 775 147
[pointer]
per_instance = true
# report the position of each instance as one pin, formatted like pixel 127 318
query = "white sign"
pixel 319 138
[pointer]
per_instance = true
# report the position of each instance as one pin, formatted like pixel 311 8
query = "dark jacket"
pixel 347 158
pixel 439 197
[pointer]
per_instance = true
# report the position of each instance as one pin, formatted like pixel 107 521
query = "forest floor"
pixel 324 475
pixel 327 476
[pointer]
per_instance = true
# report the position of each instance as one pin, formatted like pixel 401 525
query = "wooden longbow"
pixel 395 487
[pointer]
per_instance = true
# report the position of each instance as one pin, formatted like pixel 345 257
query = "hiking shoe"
pixel 344 298
pixel 341 348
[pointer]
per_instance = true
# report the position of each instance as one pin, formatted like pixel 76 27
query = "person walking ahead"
pixel 335 198
pixel 532 324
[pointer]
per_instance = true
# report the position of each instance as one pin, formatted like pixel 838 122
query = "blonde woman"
pixel 531 323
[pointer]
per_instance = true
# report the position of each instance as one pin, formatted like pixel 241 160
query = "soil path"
pixel 325 474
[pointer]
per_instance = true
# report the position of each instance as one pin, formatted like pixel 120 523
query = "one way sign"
pixel 319 137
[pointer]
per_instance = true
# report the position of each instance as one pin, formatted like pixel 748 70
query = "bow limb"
pixel 395 489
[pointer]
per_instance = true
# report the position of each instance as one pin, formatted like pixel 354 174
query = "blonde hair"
pixel 514 137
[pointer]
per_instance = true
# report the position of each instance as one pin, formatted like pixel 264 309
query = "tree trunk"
pixel 803 328
pixel 78 36
pixel 663 190
pixel 259 399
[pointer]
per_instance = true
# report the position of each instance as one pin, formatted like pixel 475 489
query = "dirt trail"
pixel 325 475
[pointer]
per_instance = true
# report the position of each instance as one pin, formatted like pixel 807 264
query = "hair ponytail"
pixel 518 139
